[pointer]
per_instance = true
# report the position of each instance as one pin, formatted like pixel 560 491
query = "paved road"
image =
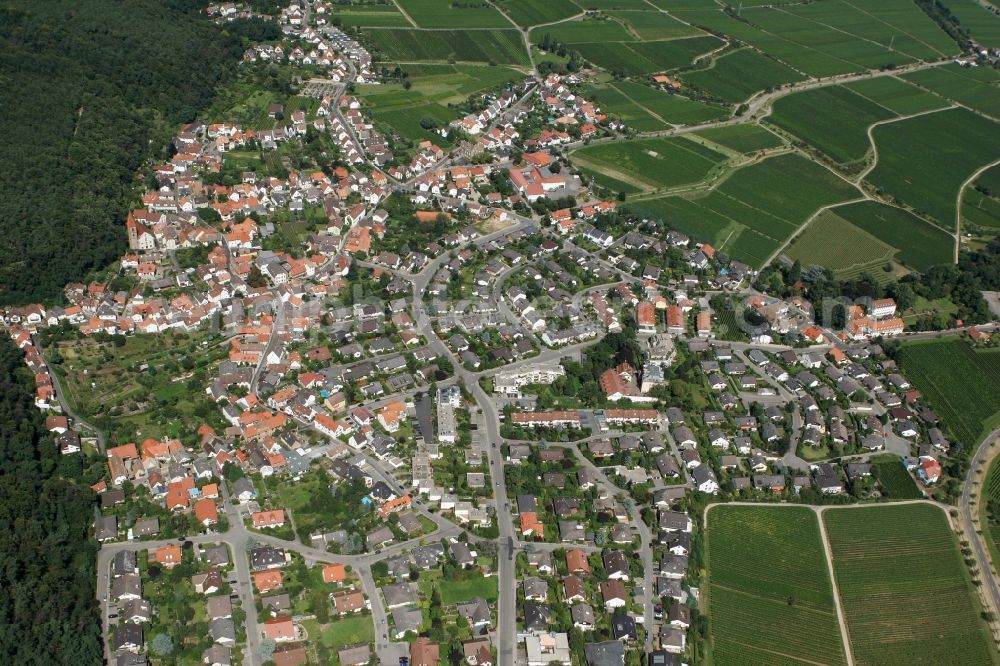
pixel 645 547
pixel 758 106
pixel 967 508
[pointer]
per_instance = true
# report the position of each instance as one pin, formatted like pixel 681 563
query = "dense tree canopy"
pixel 48 614
pixel 90 88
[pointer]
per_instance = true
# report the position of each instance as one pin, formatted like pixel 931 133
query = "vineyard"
pixel 833 242
pixel 503 47
pixel 894 480
pixel 770 597
pixel 904 589
pixel 959 382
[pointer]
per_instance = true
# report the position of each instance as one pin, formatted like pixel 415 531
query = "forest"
pixel 48 613
pixel 91 89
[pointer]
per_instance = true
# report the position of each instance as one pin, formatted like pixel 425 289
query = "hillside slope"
pixel 83 86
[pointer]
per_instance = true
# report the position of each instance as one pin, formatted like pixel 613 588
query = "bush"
pixel 161 645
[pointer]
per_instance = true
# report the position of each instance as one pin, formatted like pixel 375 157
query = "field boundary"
pixel 809 221
pixel 405 14
pixel 845 634
pixel 888 121
pixel 958 202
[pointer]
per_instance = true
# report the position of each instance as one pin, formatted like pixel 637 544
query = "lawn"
pixel 960 383
pixel 833 242
pixel 445 14
pixel 920 244
pixel 923 161
pixel 737 75
pixel 457 591
pixel 653 163
pixel 503 47
pixel 905 591
pixel 348 631
pixel 833 119
pixel 769 597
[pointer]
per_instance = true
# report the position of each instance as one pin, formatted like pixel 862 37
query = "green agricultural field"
pixel 534 12
pixel 895 481
pixel 503 47
pixel 923 161
pixel 988 514
pixel 652 25
pixel 978 87
pixel 896 95
pixel 920 244
pixel 757 208
pixel 440 84
pixel 674 109
pixel 652 163
pixel 990 179
pixel 743 138
pixel 960 383
pixel 833 119
pixel 981 201
pixel 579 32
pixel 445 14
pixel 613 4
pixel 737 75
pixel 378 16
pixel 830 37
pixel 769 597
pixel 612 184
pixel 613 101
pixel 432 89
pixel 905 591
pixel 673 53
pixel 640 58
pixel 833 242
pixel 981 210
pixel 974 17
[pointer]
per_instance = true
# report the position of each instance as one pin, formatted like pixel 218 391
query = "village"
pixel 460 403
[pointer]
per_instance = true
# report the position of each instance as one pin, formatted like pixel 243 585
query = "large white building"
pixel 446 432
pixel 510 382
